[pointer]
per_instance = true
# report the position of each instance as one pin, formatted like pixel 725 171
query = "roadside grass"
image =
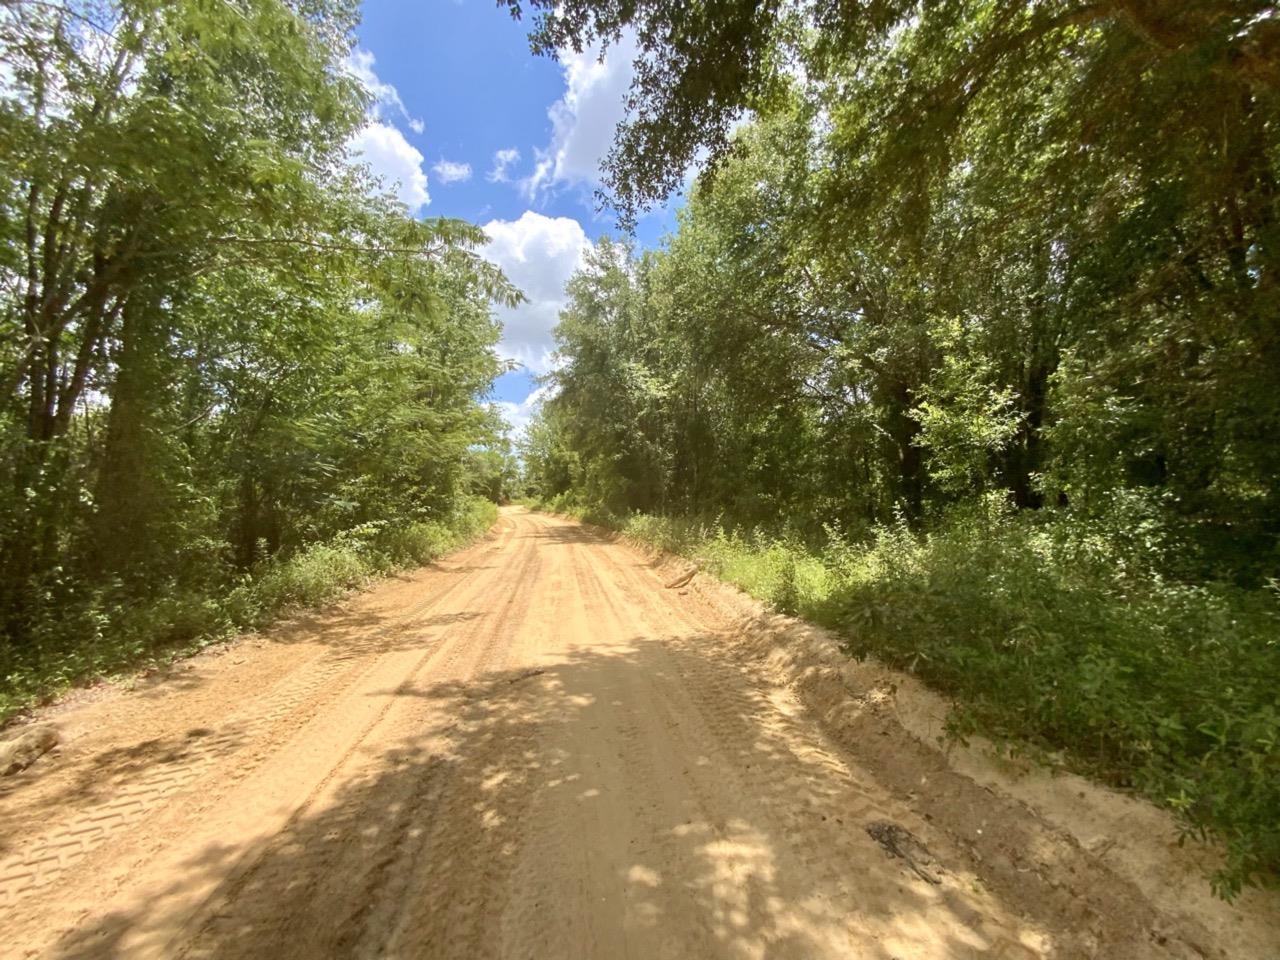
pixel 1055 635
pixel 104 637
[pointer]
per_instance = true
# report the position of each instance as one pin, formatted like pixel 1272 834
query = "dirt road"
pixel 532 750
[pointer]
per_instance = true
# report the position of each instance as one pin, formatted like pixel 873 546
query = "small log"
pixel 681 580
pixel 26 748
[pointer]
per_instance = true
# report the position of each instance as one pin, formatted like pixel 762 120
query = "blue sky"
pixel 469 124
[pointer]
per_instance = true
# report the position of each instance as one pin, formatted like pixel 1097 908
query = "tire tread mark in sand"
pixel 460 927
pixel 646 586
pixel 648 591
pixel 796 792
pixel 722 695
pixel 456 871
pixel 820 786
pixel 536 924
pixel 792 792
pixel 653 732
pixel 42 860
pixel 726 694
pixel 430 798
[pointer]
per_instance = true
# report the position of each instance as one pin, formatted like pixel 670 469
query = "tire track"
pixel 414 819
pixel 752 786
pixel 545 755
pixel 286 708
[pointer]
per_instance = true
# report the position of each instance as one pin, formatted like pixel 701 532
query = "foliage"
pixel 1138 75
pixel 965 421
pixel 234 376
pixel 105 636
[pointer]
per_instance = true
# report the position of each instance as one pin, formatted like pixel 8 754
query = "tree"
pixel 220 343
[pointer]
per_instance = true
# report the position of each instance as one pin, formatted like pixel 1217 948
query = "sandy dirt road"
pixel 531 750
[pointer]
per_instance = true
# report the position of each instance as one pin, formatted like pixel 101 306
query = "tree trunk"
pixel 125 497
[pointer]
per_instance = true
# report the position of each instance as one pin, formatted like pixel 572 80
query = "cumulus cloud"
pixel 450 171
pixel 538 254
pixel 502 163
pixel 518 415
pixel 380 144
pixel 395 161
pixel 387 104
pixel 583 120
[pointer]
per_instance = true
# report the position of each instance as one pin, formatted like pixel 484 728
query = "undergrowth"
pixel 101 636
pixel 1058 634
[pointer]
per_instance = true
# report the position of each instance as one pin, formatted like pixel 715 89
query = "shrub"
pixel 317 574
pixel 1065 636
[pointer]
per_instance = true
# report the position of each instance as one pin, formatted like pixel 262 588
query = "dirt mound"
pixel 25 746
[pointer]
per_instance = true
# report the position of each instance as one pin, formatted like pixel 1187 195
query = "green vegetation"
pixel 106 640
pixel 967 343
pixel 234 376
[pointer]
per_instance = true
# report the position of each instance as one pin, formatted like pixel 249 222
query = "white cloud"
pixel 394 160
pixel 502 162
pixel 450 171
pixel 583 120
pixel 538 254
pixel 518 415
pixel 386 98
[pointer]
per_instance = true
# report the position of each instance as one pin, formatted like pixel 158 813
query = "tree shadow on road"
pixel 476 837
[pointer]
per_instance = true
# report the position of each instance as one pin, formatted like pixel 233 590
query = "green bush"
pixel 317 574
pixel 415 542
pixel 1068 638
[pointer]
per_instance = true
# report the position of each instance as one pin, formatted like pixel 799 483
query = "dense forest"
pixel 236 376
pixel 967 344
